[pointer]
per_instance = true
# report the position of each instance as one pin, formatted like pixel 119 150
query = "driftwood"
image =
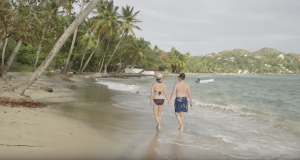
pixel 46 89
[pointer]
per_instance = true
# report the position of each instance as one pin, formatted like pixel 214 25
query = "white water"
pixel 249 117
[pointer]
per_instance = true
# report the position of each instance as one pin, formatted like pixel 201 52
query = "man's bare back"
pixel 181 88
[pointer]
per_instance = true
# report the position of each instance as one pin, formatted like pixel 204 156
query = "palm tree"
pixel 73 43
pixel 87 40
pixel 177 60
pixel 129 19
pixel 20 89
pixel 49 21
pixel 105 24
pixel 127 26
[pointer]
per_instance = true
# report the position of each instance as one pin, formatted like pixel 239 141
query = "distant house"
pixel 138 70
pixel 258 57
pixel 219 58
pixel 281 56
pixel 245 72
pixel 239 71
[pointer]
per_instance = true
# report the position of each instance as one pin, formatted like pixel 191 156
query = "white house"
pixel 281 56
pixel 138 70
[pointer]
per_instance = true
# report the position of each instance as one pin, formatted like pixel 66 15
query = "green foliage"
pixel 35 19
pixel 266 60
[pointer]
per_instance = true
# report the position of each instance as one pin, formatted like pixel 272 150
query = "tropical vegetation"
pixel 263 61
pixel 49 36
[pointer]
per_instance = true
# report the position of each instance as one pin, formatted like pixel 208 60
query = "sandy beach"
pixel 54 132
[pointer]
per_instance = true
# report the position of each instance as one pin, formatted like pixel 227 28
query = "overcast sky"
pixel 205 26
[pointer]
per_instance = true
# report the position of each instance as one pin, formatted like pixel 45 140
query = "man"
pixel 181 105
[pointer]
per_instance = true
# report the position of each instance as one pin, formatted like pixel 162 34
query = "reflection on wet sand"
pixel 154 144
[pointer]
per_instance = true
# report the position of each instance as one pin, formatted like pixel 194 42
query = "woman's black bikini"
pixel 159 101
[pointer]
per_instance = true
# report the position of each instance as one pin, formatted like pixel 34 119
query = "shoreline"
pixel 54 133
pixel 84 122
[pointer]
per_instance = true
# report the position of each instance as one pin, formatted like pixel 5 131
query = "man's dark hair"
pixel 182 76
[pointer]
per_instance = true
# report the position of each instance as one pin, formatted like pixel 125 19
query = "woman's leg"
pixel 156 115
pixel 160 107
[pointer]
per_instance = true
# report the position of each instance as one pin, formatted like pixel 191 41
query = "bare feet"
pixel 158 127
pixel 181 128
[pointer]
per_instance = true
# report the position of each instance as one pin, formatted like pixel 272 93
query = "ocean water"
pixel 242 116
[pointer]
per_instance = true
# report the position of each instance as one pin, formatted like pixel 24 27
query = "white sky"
pixel 205 26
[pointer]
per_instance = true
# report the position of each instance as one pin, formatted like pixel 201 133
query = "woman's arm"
pixel 152 90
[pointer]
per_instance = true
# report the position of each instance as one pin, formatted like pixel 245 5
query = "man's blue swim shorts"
pixel 181 104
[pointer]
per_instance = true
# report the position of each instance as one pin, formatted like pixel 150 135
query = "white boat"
pixel 205 81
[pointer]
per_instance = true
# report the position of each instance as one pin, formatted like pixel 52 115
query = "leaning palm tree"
pixel 20 89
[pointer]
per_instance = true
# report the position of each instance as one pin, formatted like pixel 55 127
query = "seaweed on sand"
pixel 20 102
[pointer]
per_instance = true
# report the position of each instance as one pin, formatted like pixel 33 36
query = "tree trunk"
pixel 102 64
pixel 99 66
pixel 3 55
pixel 104 57
pixel 64 71
pixel 11 58
pixel 38 51
pixel 112 54
pixel 2 39
pixel 88 60
pixel 82 60
pixel 121 69
pixel 20 89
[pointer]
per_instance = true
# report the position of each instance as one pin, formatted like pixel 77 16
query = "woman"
pixel 158 88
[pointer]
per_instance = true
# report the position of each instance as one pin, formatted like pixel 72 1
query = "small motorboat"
pixel 204 81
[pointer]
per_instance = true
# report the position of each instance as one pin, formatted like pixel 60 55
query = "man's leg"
pixel 179 120
pixel 182 116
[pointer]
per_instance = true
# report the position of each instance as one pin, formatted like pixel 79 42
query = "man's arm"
pixel 166 94
pixel 174 90
pixel 190 96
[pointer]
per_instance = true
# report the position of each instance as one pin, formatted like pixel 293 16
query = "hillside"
pixel 265 60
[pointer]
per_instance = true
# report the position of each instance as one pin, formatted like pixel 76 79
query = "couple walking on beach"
pixel 181 89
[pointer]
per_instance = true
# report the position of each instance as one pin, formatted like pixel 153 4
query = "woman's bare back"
pixel 159 89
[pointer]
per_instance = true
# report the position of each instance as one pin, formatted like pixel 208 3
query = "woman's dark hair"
pixel 157 80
